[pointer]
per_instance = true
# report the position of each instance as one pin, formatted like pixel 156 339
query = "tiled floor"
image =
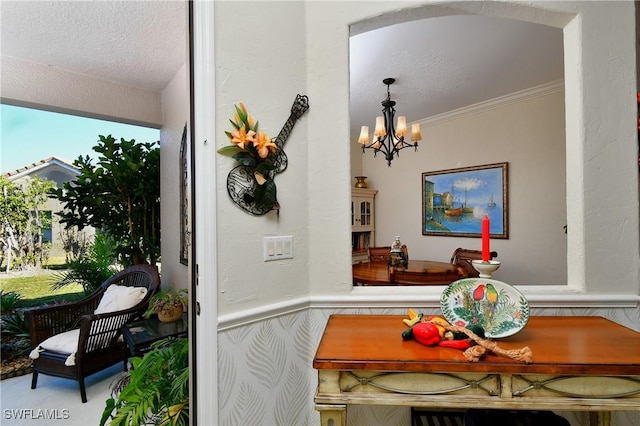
pixel 55 401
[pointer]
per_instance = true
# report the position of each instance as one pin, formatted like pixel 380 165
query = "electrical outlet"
pixel 276 248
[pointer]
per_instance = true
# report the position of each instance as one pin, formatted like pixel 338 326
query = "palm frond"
pixel 157 391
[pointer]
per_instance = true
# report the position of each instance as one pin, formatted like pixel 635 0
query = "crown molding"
pixel 499 102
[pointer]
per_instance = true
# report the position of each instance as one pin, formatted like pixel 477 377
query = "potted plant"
pixel 155 391
pixel 169 305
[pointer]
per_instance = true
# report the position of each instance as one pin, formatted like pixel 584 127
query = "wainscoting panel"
pixel 264 372
pixel 266 375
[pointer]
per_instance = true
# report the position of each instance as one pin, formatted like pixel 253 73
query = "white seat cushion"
pixel 64 343
pixel 118 298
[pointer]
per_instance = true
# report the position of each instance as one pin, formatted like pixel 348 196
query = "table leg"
pixel 600 418
pixel 332 415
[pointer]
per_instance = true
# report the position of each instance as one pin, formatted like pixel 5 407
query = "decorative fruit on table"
pixel 456 344
pixel 413 319
pixel 426 333
pixel 439 322
pixel 423 328
pixel 434 330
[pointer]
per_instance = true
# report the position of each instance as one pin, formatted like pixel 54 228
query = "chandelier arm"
pixel 390 139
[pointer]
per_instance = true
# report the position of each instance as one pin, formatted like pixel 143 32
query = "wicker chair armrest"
pixel 47 321
pixel 100 331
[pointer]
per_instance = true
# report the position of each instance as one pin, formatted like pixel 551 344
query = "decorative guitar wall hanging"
pixel 250 184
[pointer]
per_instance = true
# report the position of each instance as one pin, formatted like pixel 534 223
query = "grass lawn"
pixel 36 289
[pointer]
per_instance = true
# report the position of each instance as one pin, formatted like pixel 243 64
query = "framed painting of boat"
pixel 455 201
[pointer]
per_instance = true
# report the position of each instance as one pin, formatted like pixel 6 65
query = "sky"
pixel 30 135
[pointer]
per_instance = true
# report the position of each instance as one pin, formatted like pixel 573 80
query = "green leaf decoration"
pixel 242 115
pixel 229 150
pixel 235 126
pixel 264 168
pixel 245 159
pixel 266 194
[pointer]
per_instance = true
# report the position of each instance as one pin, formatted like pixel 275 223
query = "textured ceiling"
pixel 440 64
pixel 136 43
pixel 445 63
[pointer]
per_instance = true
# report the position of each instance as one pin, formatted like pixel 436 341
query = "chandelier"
pixel 389 140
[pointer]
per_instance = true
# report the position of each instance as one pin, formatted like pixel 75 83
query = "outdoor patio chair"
pixel 79 339
pixel 462 258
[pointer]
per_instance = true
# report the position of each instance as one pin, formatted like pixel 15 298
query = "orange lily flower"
pixel 240 137
pixel 263 145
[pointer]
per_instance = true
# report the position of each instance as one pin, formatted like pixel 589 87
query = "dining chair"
pixel 462 259
pixel 381 254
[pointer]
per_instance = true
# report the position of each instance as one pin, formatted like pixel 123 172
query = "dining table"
pixel 417 272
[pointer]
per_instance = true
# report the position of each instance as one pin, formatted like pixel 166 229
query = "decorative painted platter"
pixel 496 306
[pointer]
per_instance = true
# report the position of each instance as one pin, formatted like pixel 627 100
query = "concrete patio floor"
pixel 55 401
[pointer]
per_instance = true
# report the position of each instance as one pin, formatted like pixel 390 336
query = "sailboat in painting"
pixel 491 203
pixel 466 209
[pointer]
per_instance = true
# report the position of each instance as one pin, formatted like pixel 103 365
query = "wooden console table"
pixel 579 364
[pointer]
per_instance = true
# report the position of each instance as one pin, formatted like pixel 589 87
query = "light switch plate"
pixel 276 248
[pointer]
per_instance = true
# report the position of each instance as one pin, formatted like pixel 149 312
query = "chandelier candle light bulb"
pixel 379 131
pixel 364 135
pixel 401 130
pixel 416 135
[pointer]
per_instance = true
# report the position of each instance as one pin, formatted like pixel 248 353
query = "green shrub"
pixel 119 195
pixel 15 324
pixel 157 391
pixel 15 349
pixel 9 300
pixel 91 269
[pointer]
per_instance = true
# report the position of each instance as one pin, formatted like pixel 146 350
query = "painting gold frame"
pixel 455 201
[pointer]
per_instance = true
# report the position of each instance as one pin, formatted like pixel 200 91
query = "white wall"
pixel 527 131
pixel 175 112
pixel 264 67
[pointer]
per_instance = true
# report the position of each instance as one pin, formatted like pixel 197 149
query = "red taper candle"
pixel 485 238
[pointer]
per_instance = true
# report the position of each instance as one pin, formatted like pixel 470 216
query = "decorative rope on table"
pixel 474 353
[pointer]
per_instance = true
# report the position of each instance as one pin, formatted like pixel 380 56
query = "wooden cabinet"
pixel 363 229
